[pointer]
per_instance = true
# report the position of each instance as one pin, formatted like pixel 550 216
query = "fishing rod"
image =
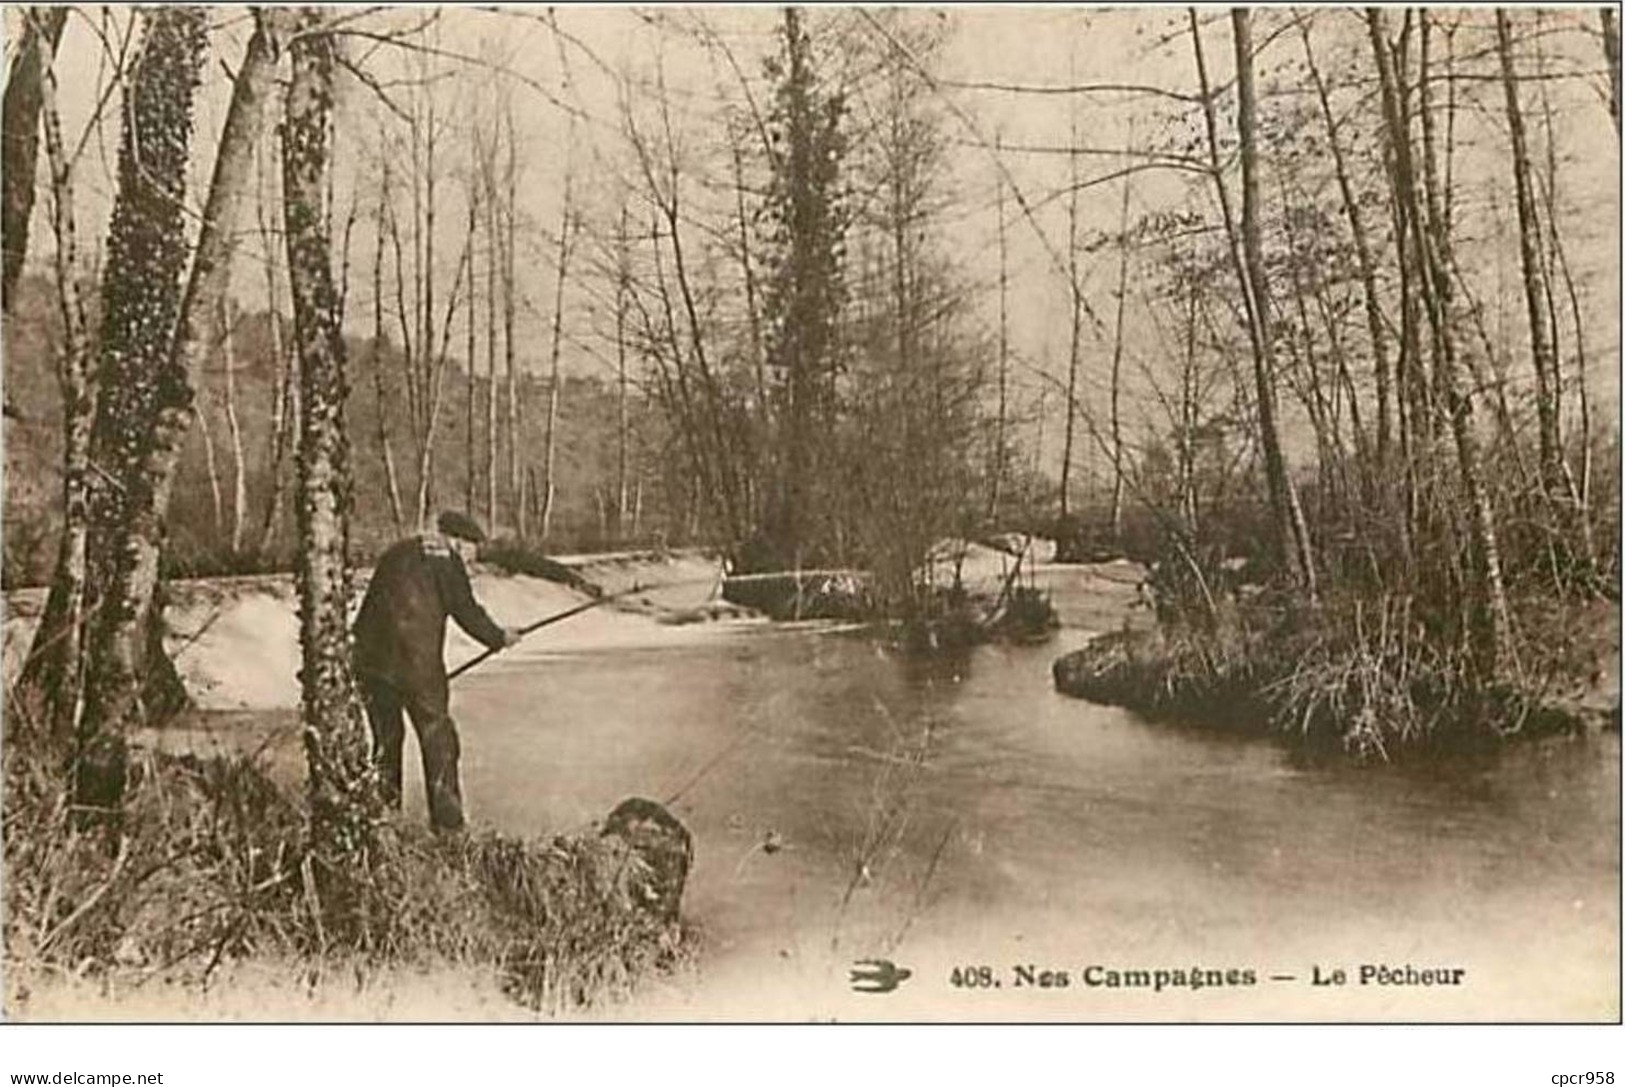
pixel 577 610
pixel 558 617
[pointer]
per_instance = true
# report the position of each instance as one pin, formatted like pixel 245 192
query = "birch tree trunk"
pixel 285 392
pixel 549 480
pixel 385 452
pixel 53 674
pixel 239 471
pixel 343 797
pixel 211 469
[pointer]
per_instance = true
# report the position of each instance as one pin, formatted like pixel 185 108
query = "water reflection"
pixel 937 807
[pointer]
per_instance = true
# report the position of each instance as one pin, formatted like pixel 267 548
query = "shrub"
pixel 1368 678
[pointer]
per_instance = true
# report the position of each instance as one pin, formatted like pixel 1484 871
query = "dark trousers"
pixel 428 707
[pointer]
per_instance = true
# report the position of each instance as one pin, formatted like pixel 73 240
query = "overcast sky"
pixel 616 51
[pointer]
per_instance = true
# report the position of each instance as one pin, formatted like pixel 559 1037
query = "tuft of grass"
pixel 211 866
pixel 1028 616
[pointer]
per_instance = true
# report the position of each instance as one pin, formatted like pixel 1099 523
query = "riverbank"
pixel 210 900
pixel 258 955
pixel 847 800
pixel 1372 690
pixel 205 904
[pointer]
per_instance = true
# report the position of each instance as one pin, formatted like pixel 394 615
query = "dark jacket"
pixel 400 632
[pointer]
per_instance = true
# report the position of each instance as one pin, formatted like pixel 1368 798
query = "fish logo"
pixel 878 975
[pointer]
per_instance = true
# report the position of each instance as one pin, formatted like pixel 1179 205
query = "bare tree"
pixel 471 402
pixel 1292 535
pixel 425 325
pixel 510 306
pixel 1075 295
pixel 567 227
pixel 997 462
pixel 211 470
pixel 623 288
pixel 284 378
pixel 550 450
pixel 678 339
pixel 53 671
pixel 1610 48
pixel 343 796
pixel 386 452
pixel 1117 355
pixel 1548 407
pixel 19 137
pixel 1376 323
pixel 485 152
pixel 1428 246
pixel 239 468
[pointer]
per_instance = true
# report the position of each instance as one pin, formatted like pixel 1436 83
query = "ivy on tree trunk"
pixel 19 138
pixel 144 402
pixel 342 795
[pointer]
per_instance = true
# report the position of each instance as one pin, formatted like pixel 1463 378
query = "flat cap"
pixel 460 525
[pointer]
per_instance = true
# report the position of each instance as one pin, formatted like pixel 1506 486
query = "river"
pixel 948 816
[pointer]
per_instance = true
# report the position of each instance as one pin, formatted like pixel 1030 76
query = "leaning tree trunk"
pixel 144 398
pixel 208 289
pixel 343 800
pixel 19 138
pixel 53 673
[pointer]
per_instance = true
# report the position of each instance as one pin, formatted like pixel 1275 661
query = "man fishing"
pixel 399 638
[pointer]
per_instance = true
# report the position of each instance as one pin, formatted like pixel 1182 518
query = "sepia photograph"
pixel 743 514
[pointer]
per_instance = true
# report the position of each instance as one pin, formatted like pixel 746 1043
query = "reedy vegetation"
pixel 1445 565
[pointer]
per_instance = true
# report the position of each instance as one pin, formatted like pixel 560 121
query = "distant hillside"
pixel 200 541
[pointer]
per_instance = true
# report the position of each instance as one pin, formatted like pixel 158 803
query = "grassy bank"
pixel 210 877
pixel 1362 678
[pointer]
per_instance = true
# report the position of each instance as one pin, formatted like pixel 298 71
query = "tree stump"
pixel 664 847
